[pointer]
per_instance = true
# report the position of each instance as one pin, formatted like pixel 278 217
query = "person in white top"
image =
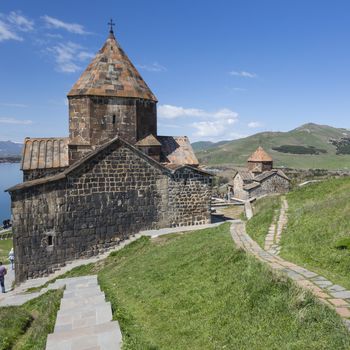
pixel 12 258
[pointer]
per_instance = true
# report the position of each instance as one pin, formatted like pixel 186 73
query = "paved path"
pixel 331 294
pixel 272 240
pixel 84 320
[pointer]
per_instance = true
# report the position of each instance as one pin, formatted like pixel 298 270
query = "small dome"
pixel 260 156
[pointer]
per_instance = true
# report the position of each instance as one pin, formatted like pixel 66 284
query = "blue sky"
pixel 220 69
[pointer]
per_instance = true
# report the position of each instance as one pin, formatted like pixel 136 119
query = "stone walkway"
pixel 84 320
pixel 272 240
pixel 330 294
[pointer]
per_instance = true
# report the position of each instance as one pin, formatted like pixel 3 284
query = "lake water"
pixel 10 174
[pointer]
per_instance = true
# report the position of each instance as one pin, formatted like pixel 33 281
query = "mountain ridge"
pixel 311 138
pixel 10 149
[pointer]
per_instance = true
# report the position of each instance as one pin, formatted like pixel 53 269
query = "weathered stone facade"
pixel 238 187
pixel 272 184
pixel 29 175
pixel 117 192
pixel 93 120
pixel 112 177
pixel 259 178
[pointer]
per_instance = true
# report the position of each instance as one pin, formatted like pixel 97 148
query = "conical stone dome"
pixel 111 73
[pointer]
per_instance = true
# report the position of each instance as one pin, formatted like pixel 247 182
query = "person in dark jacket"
pixel 3 272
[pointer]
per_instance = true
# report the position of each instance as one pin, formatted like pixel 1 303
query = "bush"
pixel 295 149
pixel 343 243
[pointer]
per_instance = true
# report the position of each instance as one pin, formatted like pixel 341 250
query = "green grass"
pixel 27 326
pixel 5 247
pixel 264 213
pixel 318 222
pixel 196 291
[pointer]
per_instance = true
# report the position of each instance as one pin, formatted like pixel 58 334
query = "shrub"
pixel 296 149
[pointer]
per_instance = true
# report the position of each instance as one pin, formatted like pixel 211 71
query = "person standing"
pixel 12 258
pixel 3 272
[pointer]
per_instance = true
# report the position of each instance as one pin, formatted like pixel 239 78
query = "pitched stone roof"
pixel 263 176
pixel 111 73
pixel 246 175
pixel 260 156
pixel 251 186
pixel 177 150
pixel 80 164
pixel 45 153
pixel 149 140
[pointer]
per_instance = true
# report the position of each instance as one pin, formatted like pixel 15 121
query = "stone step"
pixel 88 307
pixel 104 336
pixel 80 318
pixel 78 301
pixel 69 294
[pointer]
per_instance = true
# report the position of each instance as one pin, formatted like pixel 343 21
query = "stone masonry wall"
pixel 79 121
pixel 39 173
pixel 189 198
pixel 113 195
pixel 273 184
pixel 238 191
pixel 94 120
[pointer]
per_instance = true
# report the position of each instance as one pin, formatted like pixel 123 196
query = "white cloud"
pixel 68 56
pixel 8 33
pixel 15 121
pixel 20 22
pixel 210 126
pixel 254 125
pixel 219 128
pixel 12 23
pixel 75 28
pixel 173 112
pixel 154 67
pixel 243 74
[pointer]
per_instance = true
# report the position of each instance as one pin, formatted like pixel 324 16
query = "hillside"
pixel 10 149
pixel 314 138
pixel 204 145
pixel 317 235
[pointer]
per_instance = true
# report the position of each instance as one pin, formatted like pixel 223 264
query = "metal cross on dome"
pixel 111 24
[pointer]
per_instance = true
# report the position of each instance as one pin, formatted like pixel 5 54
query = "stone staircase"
pixel 84 321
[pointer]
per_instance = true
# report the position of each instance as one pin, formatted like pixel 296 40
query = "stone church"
pixel 112 177
pixel 259 178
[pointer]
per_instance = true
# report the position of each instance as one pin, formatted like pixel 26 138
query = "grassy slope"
pixel 236 152
pixel 196 291
pixel 5 247
pixel 264 212
pixel 27 326
pixel 319 216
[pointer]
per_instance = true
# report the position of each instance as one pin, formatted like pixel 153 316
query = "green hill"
pixel 204 145
pixel 314 141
